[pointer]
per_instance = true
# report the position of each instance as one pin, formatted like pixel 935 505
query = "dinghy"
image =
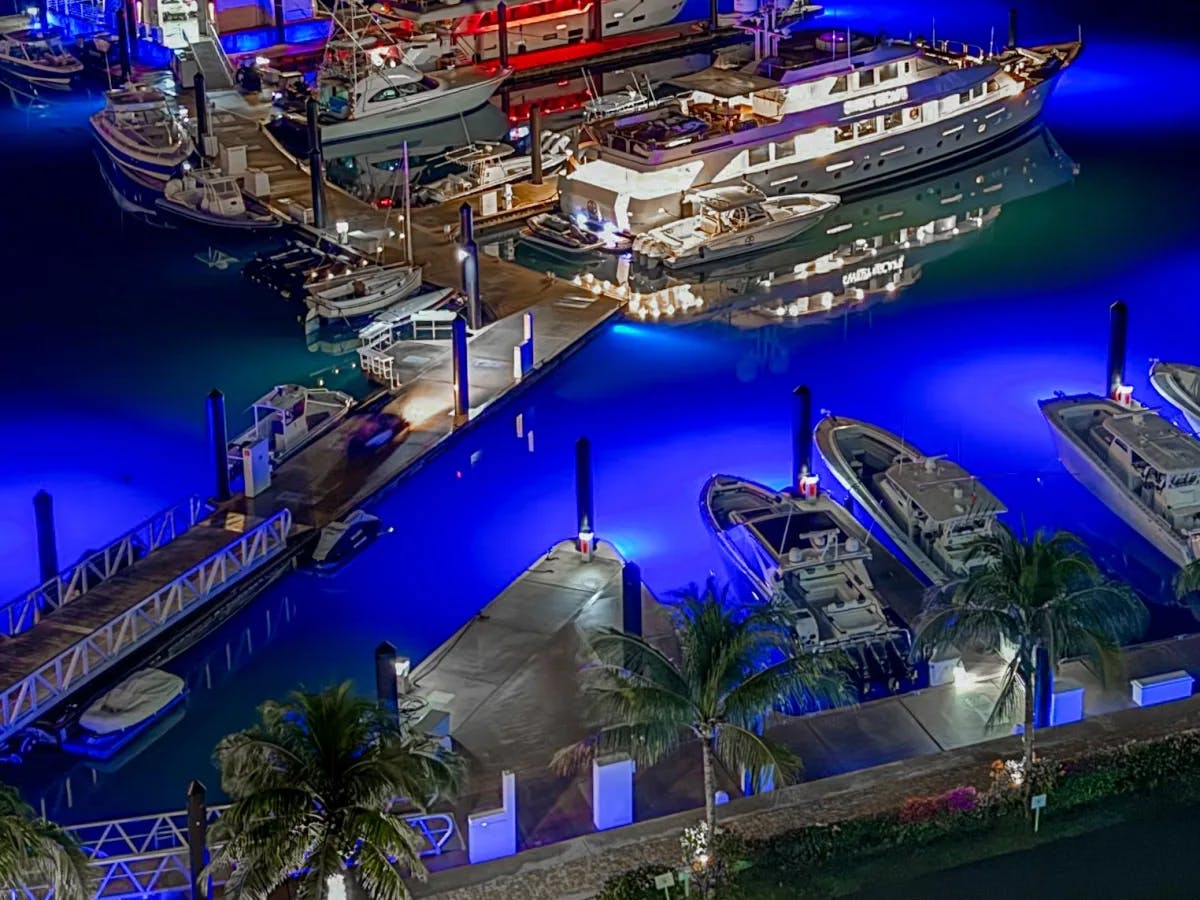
pixel 368 291
pixel 340 540
pixel 121 714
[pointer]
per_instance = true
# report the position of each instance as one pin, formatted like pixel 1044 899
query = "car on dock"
pixel 375 431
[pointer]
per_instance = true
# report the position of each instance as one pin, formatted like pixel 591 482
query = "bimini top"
pixel 726 198
pixel 814 48
pixel 724 83
pixel 1163 446
pixel 943 489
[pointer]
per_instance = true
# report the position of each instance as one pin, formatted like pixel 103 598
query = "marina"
pixel 441 334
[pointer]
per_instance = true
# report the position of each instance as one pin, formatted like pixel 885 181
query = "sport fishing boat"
pixel 123 713
pixel 1179 385
pixel 207 197
pixel 142 134
pixel 813 555
pixel 342 539
pixel 36 56
pixel 825 111
pixel 489 166
pixel 291 417
pixel 367 86
pixel 930 506
pixel 556 235
pixel 731 221
pixel 1145 469
pixel 364 292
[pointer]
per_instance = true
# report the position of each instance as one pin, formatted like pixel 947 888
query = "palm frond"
pixel 35 852
pixel 741 748
pixel 1010 698
pixel 1187 579
pixel 645 742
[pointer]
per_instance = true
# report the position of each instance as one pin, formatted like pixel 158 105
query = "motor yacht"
pixel 1179 385
pixel 142 134
pixel 37 57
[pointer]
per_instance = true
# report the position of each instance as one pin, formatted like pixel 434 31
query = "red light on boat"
pixel 383 202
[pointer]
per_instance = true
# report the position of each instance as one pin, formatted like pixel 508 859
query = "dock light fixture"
pixel 32 12
pixel 262 61
pixel 461 254
pixel 343 231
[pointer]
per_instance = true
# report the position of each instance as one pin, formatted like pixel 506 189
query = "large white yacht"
pixel 810 552
pixel 1145 469
pixel 930 506
pixel 142 134
pixel 827 111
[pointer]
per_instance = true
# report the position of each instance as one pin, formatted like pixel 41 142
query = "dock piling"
pixel 585 507
pixel 1043 688
pixel 197 838
pixel 596 14
pixel 462 387
pixel 280 30
pixel 47 543
pixel 502 32
pixel 218 443
pixel 316 164
pixel 1012 26
pixel 387 686
pixel 713 19
pixel 631 599
pixel 201 110
pixel 802 428
pixel 123 38
pixel 468 254
pixel 1118 325
pixel 43 13
pixel 535 141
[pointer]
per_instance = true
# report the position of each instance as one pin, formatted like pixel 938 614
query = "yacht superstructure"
pixel 1145 469
pixel 826 111
pixel 930 506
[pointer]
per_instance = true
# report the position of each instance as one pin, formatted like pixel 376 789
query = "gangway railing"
pixel 38 691
pixel 142 856
pixel 25 611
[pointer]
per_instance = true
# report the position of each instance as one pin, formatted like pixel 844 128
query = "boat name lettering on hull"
pixel 866 273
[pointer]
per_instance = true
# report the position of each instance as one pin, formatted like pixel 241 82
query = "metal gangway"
pixel 145 856
pixel 380 341
pixel 26 610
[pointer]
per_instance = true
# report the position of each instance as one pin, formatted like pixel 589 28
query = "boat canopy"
pixel 724 83
pixel 1163 446
pixel 723 199
pixel 943 490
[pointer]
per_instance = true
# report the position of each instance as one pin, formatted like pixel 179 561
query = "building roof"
pixel 943 489
pixel 1164 447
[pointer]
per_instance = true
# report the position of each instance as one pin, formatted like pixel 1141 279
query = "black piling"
pixel 1043 691
pixel 131 26
pixel 47 543
pixel 535 141
pixel 43 13
pixel 123 45
pixel 201 109
pixel 316 164
pixel 802 429
pixel 631 599
pixel 597 20
pixel 1118 325
pixel 280 31
pixel 713 20
pixel 469 257
pixel 218 444
pixel 502 32
pixel 197 838
pixel 1012 26
pixel 585 506
pixel 387 686
pixel 462 386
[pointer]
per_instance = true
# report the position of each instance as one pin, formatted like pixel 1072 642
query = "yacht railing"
pixel 72 583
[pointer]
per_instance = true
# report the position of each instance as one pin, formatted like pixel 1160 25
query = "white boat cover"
pixel 134 700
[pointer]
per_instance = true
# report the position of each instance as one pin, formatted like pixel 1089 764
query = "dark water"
pixel 114 335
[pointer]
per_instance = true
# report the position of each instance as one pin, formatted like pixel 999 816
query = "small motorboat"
pixel 560 236
pixel 489 166
pixel 289 418
pixel 37 57
pixel 368 291
pixel 1179 385
pixel 142 134
pixel 342 539
pixel 123 713
pixel 208 197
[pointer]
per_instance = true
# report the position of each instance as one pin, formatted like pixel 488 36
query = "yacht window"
pixel 865 127
pixel 964 97
pixel 888 72
pixel 760 155
pixel 839 85
pixel 843 133
pixel 893 120
pixel 866 78
pixel 992 86
pixel 388 93
pixel 908 67
pixel 785 148
pixel 914 114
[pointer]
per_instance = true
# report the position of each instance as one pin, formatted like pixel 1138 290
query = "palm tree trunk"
pixel 1027 738
pixel 710 788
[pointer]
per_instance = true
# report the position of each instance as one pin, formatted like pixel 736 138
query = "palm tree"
pixel 313 785
pixel 1187 579
pixel 736 666
pixel 37 853
pixel 1040 595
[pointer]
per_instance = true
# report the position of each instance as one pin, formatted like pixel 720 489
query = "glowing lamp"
pixel 461 254
pixel 962 678
pixel 261 61
pixel 343 230
pixel 32 12
pixel 587 543
pixel 1123 394
pixel 808 487
pixel 580 219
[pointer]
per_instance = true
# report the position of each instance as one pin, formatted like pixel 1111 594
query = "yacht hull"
pixel 1088 469
pixel 454 102
pixel 1171 380
pixel 42 76
pixel 832 437
pixel 160 167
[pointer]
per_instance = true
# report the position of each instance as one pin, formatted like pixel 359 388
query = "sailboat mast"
pixel 408 249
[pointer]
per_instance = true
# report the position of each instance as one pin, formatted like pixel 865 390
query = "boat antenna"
pixel 992 41
pixel 408 247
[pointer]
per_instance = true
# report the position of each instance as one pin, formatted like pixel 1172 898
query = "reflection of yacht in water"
pixel 870 247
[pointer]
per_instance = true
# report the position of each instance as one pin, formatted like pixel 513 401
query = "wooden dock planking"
pixel 61 629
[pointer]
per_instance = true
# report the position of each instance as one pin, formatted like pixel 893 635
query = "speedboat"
pixel 291 417
pixel 489 166
pixel 1179 385
pixel 342 539
pixel 363 292
pixel 205 197
pixel 142 134
pixel 1144 468
pixel 811 554
pixel 369 88
pixel 559 236
pixel 37 57
pixel 731 221
pixel 121 714
pixel 931 508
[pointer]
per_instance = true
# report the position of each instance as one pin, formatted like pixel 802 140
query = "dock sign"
pixel 1037 803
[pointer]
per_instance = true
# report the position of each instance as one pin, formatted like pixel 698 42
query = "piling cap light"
pixel 1123 394
pixel 808 487
pixel 31 11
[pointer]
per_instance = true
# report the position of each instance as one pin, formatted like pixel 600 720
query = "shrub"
pixel 636 884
